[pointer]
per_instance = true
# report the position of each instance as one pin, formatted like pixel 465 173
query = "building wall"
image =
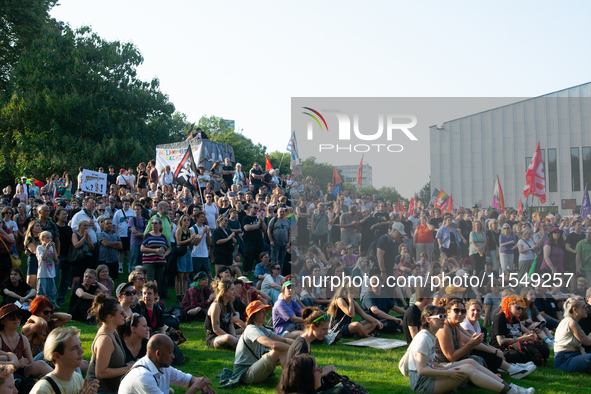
pixel 468 153
pixel 349 174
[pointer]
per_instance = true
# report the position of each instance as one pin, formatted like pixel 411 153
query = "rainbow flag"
pixel 498 200
pixel 442 200
pixel 536 218
pixel 293 220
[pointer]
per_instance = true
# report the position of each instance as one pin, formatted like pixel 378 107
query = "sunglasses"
pixel 459 311
pixel 325 317
pixel 440 317
pixel 130 293
pixel 519 308
pixel 48 312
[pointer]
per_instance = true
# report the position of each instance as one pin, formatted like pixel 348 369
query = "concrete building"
pixel 468 153
pixel 349 174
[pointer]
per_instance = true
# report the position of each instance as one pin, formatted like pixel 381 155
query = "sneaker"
pixel 522 371
pixel 550 344
pixel 120 270
pixel 522 390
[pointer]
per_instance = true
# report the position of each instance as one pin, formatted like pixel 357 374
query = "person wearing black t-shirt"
pixel 383 219
pixel 436 221
pixel 16 289
pixel 83 295
pixel 228 171
pixel 378 305
pixel 256 176
pixel 65 231
pixel 411 322
pixel 253 227
pixel 548 307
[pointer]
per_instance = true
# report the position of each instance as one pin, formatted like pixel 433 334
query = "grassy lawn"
pixel 376 370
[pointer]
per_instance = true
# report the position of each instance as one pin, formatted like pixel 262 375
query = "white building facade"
pixel 468 153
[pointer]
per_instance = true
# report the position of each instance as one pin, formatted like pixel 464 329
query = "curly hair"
pixel 507 302
pixel 38 304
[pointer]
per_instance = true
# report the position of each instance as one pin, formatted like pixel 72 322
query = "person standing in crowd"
pixel 279 232
pixel 199 252
pixel 492 241
pixel 109 244
pixel 348 223
pixel 136 225
pixel 211 210
pixel 448 238
pixel 31 242
pixel 477 248
pixel 223 244
pixel 553 253
pixel 507 244
pixel 256 176
pixel 573 238
pixel 253 227
pixel 526 247
pixel 153 373
pixel 167 177
pixel 155 249
pixel 48 259
pixel 65 232
pixel 423 238
pixel 583 256
pixel 319 224
pixel 121 227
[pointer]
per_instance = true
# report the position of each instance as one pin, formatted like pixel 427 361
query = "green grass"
pixel 376 370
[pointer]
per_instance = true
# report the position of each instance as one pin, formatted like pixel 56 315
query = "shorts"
pixel 345 333
pixel 184 263
pixel 32 265
pixel 259 371
pixel 201 264
pixel 421 384
pixel 125 243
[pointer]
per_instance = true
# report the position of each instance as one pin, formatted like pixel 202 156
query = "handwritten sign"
pixel 94 182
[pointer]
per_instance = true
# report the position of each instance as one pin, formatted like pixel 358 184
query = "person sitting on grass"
pixel 83 295
pixel 454 344
pixel 196 300
pixel 426 376
pixel 16 289
pixel 343 310
pixel 134 334
pixel 13 342
pixel 411 322
pixel 378 306
pixel 316 324
pixel 531 317
pixel 126 295
pixel 569 354
pixel 510 336
pixel 64 349
pixel 272 283
pixel 42 321
pixel 303 375
pixel 287 313
pixel 219 326
pixel 251 364
pixel 149 308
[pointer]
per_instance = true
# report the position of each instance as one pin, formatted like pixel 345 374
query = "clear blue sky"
pixel 245 60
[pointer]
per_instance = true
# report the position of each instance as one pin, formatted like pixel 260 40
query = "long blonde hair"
pixel 221 287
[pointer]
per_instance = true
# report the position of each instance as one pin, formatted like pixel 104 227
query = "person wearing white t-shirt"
pixel 200 253
pixel 120 226
pixel 211 210
pixel 426 376
pixel 123 179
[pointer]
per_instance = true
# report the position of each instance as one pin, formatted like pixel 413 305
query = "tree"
pixel 322 171
pixel 214 126
pixel 282 158
pixel 424 194
pixel 21 22
pixel 77 101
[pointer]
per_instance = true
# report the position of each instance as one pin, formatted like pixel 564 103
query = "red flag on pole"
pixel 268 165
pixel 411 206
pixel 360 172
pixel 520 207
pixel 535 183
pixel 399 206
pixel 450 204
pixel 336 179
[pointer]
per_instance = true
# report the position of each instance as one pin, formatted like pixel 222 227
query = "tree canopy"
pixel 77 101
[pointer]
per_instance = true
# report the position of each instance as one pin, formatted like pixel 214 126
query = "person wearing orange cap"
pixel 251 364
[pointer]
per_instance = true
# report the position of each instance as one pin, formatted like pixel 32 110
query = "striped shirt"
pixel 154 242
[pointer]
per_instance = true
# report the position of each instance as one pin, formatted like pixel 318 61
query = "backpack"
pixel 178 312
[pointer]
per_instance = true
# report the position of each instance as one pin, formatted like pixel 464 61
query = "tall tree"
pixel 424 194
pixel 77 101
pixel 21 22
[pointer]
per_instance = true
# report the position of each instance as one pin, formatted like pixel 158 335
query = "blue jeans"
pixel 65 279
pixel 572 362
pixel 135 256
pixel 278 254
pixel 274 294
pixel 551 324
pixel 46 287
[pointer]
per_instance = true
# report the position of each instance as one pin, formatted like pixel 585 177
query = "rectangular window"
pixel 575 169
pixel 587 166
pixel 552 171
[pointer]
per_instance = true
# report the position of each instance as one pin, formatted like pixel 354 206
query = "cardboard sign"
pixel 94 182
pixel 378 343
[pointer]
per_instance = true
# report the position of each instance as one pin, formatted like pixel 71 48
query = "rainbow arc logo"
pixel 315 118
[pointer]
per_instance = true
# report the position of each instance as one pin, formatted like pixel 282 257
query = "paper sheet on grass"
pixel 378 343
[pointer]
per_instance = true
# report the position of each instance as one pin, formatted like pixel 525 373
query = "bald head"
pixel 159 342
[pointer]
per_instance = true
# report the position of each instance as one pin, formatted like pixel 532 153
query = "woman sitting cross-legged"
pixel 287 312
pixel 455 343
pixel 343 310
pixel 219 326
pixel 569 355
pixel 426 376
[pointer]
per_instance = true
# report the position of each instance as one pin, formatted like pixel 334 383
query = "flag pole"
pixel 283 154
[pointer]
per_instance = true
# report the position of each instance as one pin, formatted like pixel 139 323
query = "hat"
pixel 244 279
pixel 352 245
pixel 122 170
pixel 12 309
pixel 452 289
pixel 288 283
pixel 398 226
pixel 256 306
pixel 199 275
pixel 556 230
pixel 123 286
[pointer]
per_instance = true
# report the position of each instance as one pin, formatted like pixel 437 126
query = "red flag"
pixel 360 173
pixel 520 207
pixel 411 206
pixel 399 206
pixel 450 204
pixel 336 179
pixel 268 165
pixel 535 182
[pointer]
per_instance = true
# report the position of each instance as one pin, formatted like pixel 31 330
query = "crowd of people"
pixel 254 256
